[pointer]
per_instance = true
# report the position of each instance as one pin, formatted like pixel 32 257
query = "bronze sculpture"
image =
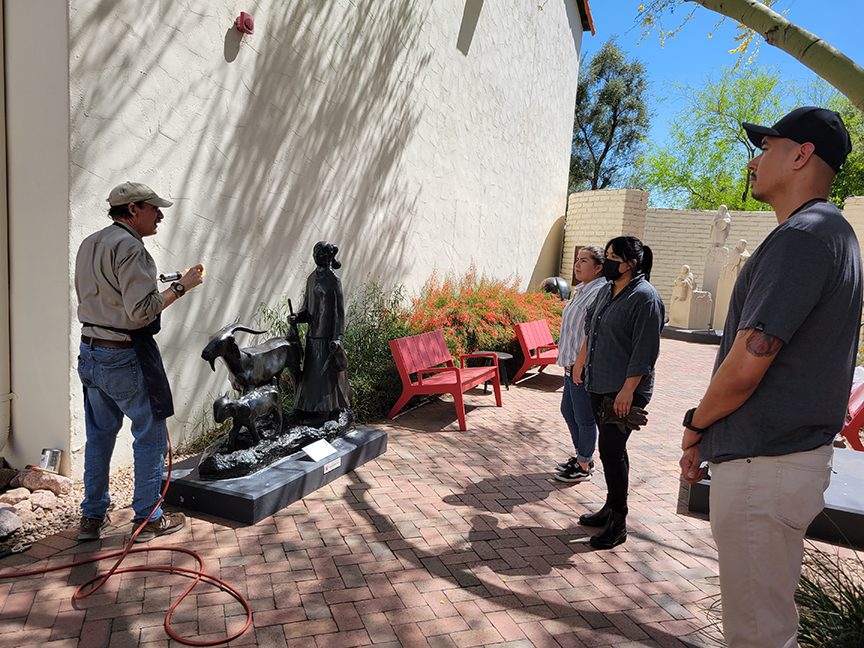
pixel 252 367
pixel 246 410
pixel 322 391
pixel 323 386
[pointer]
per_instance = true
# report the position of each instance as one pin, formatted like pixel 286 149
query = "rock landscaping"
pixel 36 504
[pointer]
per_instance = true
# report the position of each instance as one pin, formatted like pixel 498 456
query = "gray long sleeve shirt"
pixel 115 280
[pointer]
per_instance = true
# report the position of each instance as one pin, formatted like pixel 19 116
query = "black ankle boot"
pixel 597 519
pixel 613 534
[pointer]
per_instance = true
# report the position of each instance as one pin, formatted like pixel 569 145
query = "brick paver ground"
pixel 450 539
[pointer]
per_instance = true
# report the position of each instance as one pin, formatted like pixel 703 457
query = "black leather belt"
pixel 106 344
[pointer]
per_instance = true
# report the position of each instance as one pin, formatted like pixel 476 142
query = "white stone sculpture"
pixel 737 258
pixel 690 308
pixel 718 253
pixel 720 227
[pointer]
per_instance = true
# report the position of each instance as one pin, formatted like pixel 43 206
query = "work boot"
pixel 613 534
pixel 91 528
pixel 165 524
pixel 597 519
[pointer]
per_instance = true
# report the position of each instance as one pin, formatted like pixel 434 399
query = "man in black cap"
pixel 781 380
pixel 120 306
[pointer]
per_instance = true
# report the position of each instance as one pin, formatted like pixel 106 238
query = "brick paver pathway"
pixel 449 539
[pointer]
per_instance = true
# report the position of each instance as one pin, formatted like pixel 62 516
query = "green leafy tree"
pixel 757 17
pixel 610 121
pixel 703 163
pixel 850 180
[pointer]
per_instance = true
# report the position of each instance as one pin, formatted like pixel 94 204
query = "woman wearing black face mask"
pixel 621 347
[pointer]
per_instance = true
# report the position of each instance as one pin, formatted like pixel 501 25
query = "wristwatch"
pixel 688 422
pixel 178 288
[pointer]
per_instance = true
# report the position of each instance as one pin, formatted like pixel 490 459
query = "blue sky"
pixel 691 55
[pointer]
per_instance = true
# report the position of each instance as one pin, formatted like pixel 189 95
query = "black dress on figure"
pixel 323 386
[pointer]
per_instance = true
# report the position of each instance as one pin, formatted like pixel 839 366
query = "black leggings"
pixel 612 444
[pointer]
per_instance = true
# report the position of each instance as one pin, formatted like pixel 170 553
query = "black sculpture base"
pixel 700 336
pixel 842 519
pixel 217 462
pixel 252 498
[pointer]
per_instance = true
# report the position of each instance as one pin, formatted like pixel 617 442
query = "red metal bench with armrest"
pixel 856 411
pixel 421 355
pixel 537 346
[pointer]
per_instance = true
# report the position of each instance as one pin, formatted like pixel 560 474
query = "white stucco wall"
pixel 414 134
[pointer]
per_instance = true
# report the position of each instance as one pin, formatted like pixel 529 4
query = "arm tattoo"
pixel 762 345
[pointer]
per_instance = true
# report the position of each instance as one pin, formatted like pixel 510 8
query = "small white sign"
pixel 320 449
pixel 332 465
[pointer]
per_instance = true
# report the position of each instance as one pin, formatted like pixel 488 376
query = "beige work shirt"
pixel 115 280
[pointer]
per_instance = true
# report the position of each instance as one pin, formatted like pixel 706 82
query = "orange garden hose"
pixel 199 574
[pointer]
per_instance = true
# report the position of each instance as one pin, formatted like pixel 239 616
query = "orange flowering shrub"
pixel 476 312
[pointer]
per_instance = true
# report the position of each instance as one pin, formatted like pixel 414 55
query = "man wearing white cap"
pixel 120 306
pixel 781 379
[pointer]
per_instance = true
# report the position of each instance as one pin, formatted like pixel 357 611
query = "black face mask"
pixel 611 270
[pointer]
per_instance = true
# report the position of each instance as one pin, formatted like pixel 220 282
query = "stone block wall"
pixel 594 217
pixel 853 210
pixel 679 236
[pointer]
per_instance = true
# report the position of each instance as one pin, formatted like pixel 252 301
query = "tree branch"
pixel 826 61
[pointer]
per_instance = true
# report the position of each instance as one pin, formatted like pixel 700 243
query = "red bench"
pixel 421 355
pixel 537 346
pixel 856 411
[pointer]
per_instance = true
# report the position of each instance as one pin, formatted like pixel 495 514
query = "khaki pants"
pixel 760 510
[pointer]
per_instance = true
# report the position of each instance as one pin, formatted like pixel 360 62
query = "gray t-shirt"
pixel 802 285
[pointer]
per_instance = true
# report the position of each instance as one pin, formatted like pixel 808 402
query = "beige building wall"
pixel 38 166
pixel 414 135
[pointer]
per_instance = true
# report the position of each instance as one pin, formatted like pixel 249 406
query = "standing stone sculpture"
pixel 737 258
pixel 718 253
pixel 720 227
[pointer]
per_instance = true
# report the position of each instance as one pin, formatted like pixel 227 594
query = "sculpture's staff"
pixel 120 306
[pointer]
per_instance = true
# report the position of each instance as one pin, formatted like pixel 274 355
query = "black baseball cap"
pixel 823 128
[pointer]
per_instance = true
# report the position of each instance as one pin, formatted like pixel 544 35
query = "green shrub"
pixel 374 318
pixel 830 600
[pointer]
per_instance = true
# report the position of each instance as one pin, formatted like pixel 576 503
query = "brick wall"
pixel 679 236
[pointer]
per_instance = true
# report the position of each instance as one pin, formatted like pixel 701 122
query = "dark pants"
pixel 612 444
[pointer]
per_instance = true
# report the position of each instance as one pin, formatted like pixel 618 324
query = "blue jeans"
pixel 114 386
pixel 576 410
